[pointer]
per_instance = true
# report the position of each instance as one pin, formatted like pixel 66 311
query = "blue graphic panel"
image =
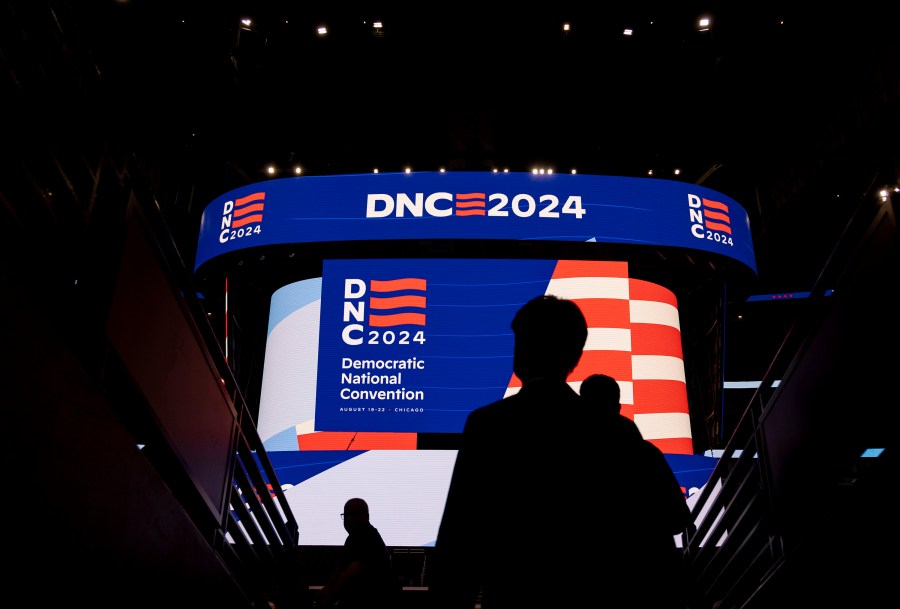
pixel 411 345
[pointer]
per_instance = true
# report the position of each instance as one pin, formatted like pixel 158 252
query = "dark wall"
pixel 89 521
pixel 151 331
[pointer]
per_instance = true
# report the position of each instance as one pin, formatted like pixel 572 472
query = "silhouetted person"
pixel 363 578
pixel 603 391
pixel 667 512
pixel 547 505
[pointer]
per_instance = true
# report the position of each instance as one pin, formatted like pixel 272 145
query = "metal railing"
pixel 749 523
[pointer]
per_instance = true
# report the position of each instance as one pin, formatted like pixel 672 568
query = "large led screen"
pixel 372 368
pixel 476 206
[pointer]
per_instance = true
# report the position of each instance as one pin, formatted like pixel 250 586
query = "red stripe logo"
pixel 389 308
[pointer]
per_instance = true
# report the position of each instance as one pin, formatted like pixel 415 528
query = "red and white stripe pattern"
pixel 634 336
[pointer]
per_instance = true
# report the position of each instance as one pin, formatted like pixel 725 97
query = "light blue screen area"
pixel 292 297
pixel 286 440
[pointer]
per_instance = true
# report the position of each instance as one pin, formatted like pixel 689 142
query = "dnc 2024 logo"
pixel 242 217
pixel 710 220
pixel 391 303
pixel 471 204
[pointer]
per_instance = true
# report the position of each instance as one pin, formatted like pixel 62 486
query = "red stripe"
pixel 654 396
pixel 364 440
pixel 470 212
pixel 470 195
pixel 243 211
pixel 256 196
pixel 605 312
pixel 397 284
pixel 715 205
pixel 638 289
pixel 590 268
pixel 656 339
pixel 247 220
pixel 717 216
pixel 398 319
pixel 394 302
pixel 718 226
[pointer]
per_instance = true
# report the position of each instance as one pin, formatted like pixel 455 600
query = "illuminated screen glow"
pixel 366 363
pixel 475 206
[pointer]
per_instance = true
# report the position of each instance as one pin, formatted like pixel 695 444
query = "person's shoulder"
pixel 652 449
pixel 496 408
pixel 370 537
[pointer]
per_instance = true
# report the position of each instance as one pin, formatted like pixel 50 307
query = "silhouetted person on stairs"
pixel 551 505
pixel 363 578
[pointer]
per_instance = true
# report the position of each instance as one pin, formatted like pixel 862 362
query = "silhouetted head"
pixel 550 333
pixel 356 514
pixel 602 391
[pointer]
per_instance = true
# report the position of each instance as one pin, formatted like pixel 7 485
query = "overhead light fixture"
pixel 322 30
pixel 703 24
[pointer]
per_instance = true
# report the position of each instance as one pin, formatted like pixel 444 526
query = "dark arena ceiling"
pixel 792 112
